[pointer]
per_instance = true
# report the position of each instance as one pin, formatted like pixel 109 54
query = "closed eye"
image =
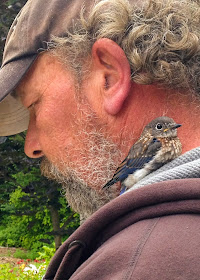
pixel 33 104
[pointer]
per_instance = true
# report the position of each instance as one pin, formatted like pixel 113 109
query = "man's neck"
pixel 148 102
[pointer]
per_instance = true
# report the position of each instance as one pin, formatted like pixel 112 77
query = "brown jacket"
pixel 152 233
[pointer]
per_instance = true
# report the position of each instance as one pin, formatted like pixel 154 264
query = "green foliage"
pixel 46 253
pixel 27 200
pixel 23 271
pixel 29 266
pixel 21 254
pixel 24 179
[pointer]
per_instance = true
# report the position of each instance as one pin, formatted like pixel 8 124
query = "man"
pixel 92 76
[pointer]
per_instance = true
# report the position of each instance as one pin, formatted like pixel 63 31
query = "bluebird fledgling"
pixel 157 145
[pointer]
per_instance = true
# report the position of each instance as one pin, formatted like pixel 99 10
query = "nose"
pixel 32 146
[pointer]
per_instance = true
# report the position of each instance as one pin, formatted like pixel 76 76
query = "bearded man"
pixel 85 79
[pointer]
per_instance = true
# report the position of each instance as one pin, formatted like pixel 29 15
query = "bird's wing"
pixel 135 160
pixel 148 149
pixel 128 166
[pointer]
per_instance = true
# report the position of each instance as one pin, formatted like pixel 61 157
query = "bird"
pixel 157 145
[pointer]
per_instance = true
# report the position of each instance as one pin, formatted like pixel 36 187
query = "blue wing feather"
pixel 128 166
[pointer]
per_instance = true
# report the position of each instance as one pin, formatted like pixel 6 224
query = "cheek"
pixel 57 130
pixel 52 115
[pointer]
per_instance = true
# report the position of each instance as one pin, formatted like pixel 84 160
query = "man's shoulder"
pixel 149 235
pixel 136 230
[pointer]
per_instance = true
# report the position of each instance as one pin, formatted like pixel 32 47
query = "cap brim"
pixel 14 118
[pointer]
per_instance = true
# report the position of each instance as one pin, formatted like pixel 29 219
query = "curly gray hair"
pixel 159 37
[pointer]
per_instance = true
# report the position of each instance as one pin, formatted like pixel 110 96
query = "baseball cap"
pixel 28 36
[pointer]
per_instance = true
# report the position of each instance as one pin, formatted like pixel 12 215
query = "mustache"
pixel 48 169
pixel 52 172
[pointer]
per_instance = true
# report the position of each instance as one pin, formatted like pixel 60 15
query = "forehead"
pixel 39 75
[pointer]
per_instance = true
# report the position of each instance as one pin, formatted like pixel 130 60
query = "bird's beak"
pixel 173 127
pixel 176 126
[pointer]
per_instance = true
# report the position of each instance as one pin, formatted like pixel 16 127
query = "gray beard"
pixel 82 198
pixel 100 157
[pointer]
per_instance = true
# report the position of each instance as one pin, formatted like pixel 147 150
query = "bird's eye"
pixel 159 126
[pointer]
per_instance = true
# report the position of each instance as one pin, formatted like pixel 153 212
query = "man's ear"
pixel 111 63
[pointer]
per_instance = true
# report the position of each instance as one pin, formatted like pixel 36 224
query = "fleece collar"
pixel 185 166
